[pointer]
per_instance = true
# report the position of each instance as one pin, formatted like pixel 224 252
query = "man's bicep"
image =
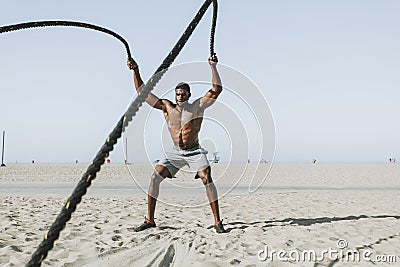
pixel 162 104
pixel 209 98
pixel 154 101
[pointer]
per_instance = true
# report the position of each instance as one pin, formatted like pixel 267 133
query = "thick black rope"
pixel 37 24
pixel 59 224
pixel 213 27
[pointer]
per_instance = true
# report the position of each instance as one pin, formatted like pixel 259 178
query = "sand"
pixel 301 208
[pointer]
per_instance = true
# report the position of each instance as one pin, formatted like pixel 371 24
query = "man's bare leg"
pixel 152 201
pixel 212 195
pixel 159 174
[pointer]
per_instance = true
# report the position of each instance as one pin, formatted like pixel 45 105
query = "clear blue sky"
pixel 329 70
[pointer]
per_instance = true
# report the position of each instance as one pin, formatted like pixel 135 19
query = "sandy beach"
pixel 301 209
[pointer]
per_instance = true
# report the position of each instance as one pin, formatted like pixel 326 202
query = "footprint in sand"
pixel 116 238
pixel 16 248
pixel 72 235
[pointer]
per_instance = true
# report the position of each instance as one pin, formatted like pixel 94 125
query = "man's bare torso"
pixel 184 123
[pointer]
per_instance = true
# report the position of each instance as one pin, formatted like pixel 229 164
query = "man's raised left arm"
pixel 216 89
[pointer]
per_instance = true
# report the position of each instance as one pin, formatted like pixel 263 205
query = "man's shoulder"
pixel 168 102
pixel 196 103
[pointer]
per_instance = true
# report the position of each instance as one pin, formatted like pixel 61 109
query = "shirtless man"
pixel 184 122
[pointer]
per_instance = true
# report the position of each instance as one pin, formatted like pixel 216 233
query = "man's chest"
pixel 181 116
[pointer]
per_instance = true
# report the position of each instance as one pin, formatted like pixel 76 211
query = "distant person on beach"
pixel 184 121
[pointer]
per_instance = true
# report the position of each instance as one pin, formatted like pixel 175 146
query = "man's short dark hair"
pixel 184 86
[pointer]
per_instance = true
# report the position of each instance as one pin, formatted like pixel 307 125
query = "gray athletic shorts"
pixel 175 159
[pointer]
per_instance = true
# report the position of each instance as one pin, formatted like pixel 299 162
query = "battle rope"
pixel 37 24
pixel 59 224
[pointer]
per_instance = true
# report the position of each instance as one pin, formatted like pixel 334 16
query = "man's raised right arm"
pixel 152 99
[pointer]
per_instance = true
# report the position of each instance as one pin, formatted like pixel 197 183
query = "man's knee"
pixel 205 175
pixel 159 174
